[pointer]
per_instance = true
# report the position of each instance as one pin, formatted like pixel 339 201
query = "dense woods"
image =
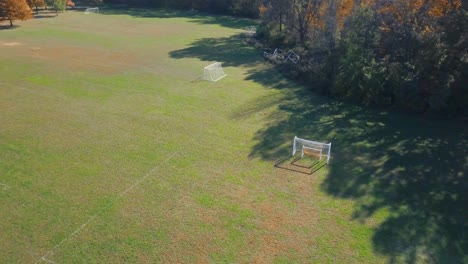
pixel 411 55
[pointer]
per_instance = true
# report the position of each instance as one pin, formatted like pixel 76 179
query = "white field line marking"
pixel 122 194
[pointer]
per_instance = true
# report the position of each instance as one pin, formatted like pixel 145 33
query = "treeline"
pixel 410 55
pixel 12 10
pixel 245 8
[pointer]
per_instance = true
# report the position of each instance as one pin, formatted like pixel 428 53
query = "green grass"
pixel 111 152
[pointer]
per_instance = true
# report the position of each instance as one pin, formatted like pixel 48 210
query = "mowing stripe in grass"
pixel 122 194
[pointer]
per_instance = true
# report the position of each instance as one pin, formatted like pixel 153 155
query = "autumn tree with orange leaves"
pixel 14 10
pixel 70 3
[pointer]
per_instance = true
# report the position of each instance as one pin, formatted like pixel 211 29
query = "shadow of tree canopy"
pixel 195 17
pixel 45 14
pixel 7 27
pixel 413 168
pixel 231 51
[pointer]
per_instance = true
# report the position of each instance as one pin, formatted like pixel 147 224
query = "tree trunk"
pixel 11 22
pixel 281 21
pixel 331 22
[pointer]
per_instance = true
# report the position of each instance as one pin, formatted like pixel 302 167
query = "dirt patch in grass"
pixel 184 247
pixel 10 44
pixel 283 227
pixel 284 231
pixel 276 222
pixel 78 58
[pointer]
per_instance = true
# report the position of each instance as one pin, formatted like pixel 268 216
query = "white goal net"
pixel 92 10
pixel 322 149
pixel 213 72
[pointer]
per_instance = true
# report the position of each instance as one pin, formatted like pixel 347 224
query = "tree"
pixel 245 7
pixel 36 4
pixel 70 3
pixel 276 12
pixel 303 15
pixel 13 10
pixel 59 5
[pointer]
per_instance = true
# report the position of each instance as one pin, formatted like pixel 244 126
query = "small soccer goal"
pixel 293 57
pixel 92 10
pixel 312 148
pixel 213 72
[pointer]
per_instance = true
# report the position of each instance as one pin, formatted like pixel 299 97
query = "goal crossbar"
pixel 312 145
pixel 92 10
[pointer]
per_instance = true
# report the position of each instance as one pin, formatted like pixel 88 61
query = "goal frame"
pixel 276 54
pixel 312 145
pixel 293 57
pixel 90 10
pixel 207 74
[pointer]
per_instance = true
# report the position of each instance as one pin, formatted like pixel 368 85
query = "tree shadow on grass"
pixel 45 14
pixel 231 51
pixel 414 168
pixel 7 27
pixel 408 171
pixel 195 17
pixel 225 21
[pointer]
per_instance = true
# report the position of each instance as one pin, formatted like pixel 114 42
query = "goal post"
pixel 213 72
pixel 92 10
pixel 324 149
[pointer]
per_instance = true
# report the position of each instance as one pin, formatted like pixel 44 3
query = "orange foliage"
pixel 318 13
pixel 70 3
pixel 405 10
pixel 442 7
pixel 262 9
pixel 435 8
pixel 322 14
pixel 345 9
pixel 14 10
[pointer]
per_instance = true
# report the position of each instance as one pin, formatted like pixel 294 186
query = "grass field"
pixel 112 151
